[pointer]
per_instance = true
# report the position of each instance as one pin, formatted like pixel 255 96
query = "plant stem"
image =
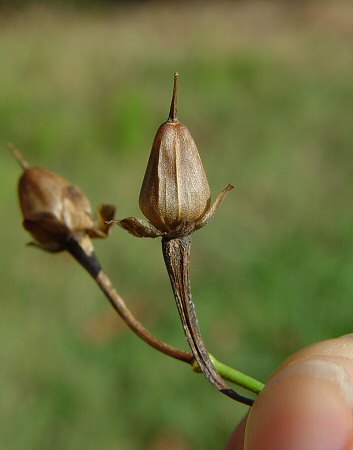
pixel 234 375
pixel 176 252
pixel 81 249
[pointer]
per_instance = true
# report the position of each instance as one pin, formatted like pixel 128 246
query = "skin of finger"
pixel 299 413
pixel 236 441
pixel 288 412
pixel 338 350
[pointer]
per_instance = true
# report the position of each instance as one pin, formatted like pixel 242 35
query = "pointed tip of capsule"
pixel 18 156
pixel 173 113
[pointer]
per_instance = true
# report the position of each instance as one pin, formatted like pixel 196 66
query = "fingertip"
pixel 305 406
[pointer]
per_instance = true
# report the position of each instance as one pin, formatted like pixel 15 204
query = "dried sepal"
pixel 48 233
pixel 139 227
pixel 103 223
pixel 212 211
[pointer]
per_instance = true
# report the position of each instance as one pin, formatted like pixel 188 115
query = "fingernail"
pixel 323 369
pixel 349 336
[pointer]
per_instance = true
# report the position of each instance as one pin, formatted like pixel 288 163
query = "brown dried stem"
pixel 176 252
pixel 82 251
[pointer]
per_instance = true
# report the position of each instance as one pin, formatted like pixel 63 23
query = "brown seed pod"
pixel 54 209
pixel 175 192
pixel 175 195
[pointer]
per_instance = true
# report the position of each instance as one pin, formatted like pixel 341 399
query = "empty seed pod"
pixel 54 209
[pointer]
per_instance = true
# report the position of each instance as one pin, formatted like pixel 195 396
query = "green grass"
pixel 268 98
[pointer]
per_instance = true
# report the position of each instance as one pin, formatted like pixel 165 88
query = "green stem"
pixel 233 375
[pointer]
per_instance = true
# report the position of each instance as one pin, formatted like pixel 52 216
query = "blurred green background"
pixel 266 91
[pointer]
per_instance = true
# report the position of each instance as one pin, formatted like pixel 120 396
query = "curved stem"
pixel 81 249
pixel 176 252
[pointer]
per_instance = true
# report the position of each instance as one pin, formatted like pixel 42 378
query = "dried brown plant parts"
pixel 81 248
pixel 175 198
pixel 53 208
pixel 143 228
pixel 58 216
pixel 176 253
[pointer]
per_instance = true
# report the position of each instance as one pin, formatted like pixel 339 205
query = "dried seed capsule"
pixel 54 209
pixel 175 193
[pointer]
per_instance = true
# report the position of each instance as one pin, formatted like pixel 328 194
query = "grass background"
pixel 266 90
